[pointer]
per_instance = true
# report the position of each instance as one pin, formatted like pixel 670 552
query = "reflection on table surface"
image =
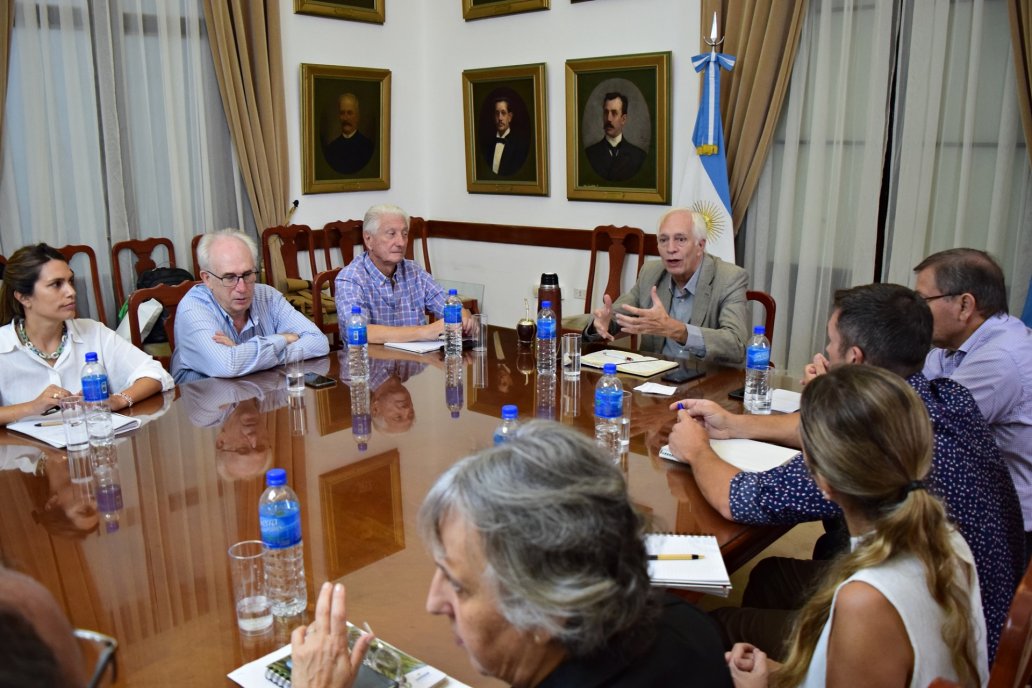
pixel 192 475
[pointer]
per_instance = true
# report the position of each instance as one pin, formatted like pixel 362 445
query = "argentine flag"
pixel 704 187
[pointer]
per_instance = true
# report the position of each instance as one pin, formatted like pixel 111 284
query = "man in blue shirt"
pixel 395 293
pixel 230 326
pixel 889 326
pixel 983 348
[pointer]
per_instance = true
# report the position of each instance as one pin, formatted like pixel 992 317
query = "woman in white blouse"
pixel 43 346
pixel 903 606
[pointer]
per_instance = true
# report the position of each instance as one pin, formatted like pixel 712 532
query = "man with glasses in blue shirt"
pixel 689 303
pixel 231 326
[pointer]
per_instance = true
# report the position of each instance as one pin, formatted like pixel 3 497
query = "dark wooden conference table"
pixel 192 475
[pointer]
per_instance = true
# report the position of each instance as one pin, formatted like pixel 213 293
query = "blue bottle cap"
pixel 509 412
pixel 91 357
pixel 276 476
pixel 609 368
pixel 453 292
pixel 759 329
pixel 355 310
pixel 546 304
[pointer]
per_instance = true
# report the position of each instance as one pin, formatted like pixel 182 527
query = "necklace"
pixel 20 329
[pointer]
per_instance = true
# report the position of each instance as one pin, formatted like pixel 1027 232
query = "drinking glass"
pixel 571 355
pixel 247 565
pixel 295 369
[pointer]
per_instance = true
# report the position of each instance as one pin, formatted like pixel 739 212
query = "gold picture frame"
pixel 371 11
pixel 334 99
pixel 363 520
pixel 518 93
pixel 638 169
pixel 478 9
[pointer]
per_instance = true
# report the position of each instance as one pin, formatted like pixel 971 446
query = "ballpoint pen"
pixel 675 557
pixel 629 359
pixel 49 423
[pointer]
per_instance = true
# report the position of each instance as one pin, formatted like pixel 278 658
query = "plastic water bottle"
pixel 358 345
pixel 546 353
pixel 453 392
pixel 544 396
pixel 98 410
pixel 453 324
pixel 279 517
pixel 609 412
pixel 757 373
pixel 509 424
pixel 108 486
pixel 361 420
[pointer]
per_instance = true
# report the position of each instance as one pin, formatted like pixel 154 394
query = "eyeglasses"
pixel 103 647
pixel 678 239
pixel 928 299
pixel 231 280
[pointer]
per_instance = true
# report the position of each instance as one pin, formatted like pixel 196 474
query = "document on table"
pixel 688 562
pixel 628 362
pixel 747 455
pixel 420 347
pixel 50 429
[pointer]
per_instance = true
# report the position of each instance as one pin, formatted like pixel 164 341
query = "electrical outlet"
pixel 580 293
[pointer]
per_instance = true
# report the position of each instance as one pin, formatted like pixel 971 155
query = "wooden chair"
pixel 72 250
pixel 770 309
pixel 1012 667
pixel 340 235
pixel 194 243
pixel 617 242
pixel 169 297
pixel 418 232
pixel 326 322
pixel 143 249
pixel 294 240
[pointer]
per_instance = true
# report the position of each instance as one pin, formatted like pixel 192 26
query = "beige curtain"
pixel 6 26
pixel 763 37
pixel 245 43
pixel 1021 39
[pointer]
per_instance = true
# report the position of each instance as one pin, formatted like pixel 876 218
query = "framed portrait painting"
pixel 618 128
pixel 345 129
pixel 355 10
pixel 478 9
pixel 505 131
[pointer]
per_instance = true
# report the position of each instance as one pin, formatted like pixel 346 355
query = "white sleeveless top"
pixel 902 581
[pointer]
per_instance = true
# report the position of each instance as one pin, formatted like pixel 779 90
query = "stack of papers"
pixel 687 562
pixel 746 455
pixel 628 362
pixel 420 347
pixel 50 429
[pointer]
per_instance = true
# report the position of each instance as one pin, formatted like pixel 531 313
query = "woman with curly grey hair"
pixel 541 570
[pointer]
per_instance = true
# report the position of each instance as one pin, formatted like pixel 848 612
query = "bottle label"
pixel 357 335
pixel 452 313
pixel 95 388
pixel 546 328
pixel 280 524
pixel 608 403
pixel 757 358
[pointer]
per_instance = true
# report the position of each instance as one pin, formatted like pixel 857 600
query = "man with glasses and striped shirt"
pixel 687 303
pixel 231 326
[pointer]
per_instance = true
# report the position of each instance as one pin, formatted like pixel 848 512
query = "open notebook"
pixel 420 347
pixel 50 429
pixel 628 362
pixel 746 455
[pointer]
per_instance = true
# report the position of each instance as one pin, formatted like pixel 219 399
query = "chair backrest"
pixel 340 235
pixel 319 316
pixel 167 296
pixel 193 254
pixel 294 239
pixel 770 309
pixel 618 242
pixel 418 231
pixel 143 249
pixel 72 250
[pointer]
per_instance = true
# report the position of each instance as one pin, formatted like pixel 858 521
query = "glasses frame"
pixel 105 655
pixel 249 277
pixel 929 299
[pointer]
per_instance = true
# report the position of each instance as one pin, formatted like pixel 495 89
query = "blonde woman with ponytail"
pixel 903 607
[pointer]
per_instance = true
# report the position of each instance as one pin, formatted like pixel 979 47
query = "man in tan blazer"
pixel 689 303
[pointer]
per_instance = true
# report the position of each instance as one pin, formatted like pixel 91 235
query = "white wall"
pixel 427 45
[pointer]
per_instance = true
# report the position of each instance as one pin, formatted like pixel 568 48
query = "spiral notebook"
pixel 50 429
pixel 687 562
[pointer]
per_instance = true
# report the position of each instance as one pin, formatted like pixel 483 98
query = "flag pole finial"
pixel 712 41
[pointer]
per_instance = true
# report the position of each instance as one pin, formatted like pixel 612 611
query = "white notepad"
pixel 707 574
pixel 746 455
pixel 420 347
pixel 50 429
